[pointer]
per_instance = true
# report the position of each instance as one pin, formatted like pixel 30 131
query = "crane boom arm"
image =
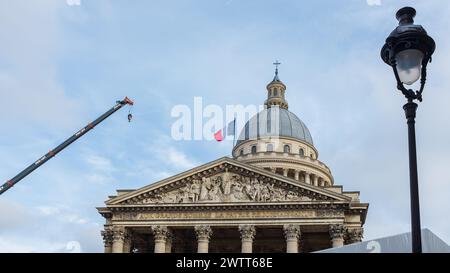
pixel 8 184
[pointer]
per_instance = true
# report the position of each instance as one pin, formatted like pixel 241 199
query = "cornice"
pixel 224 206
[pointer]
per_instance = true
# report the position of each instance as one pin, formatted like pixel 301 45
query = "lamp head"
pixel 408 48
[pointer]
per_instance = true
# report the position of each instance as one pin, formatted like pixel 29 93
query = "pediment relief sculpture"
pixel 226 187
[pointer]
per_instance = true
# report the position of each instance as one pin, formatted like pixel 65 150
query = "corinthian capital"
pixel 247 232
pixel 160 232
pixel 291 231
pixel 337 231
pixel 107 235
pixel 355 235
pixel 203 232
pixel 118 233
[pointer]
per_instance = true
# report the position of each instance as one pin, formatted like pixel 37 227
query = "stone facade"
pixel 274 195
pixel 250 205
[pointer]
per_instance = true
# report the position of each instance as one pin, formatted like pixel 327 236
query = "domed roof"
pixel 288 125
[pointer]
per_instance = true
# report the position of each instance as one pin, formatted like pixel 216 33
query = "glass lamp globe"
pixel 409 65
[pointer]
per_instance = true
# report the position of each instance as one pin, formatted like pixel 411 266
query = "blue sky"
pixel 63 65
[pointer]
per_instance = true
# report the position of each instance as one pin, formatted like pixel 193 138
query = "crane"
pixel 119 104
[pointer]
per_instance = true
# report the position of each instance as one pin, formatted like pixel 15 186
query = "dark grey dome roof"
pixel 288 125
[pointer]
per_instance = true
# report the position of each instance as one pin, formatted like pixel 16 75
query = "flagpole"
pixel 234 129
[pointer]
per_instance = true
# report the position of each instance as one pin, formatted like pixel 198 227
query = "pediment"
pixel 225 181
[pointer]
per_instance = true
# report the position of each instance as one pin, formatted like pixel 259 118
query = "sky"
pixel 65 62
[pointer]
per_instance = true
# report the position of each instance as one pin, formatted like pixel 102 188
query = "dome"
pixel 289 125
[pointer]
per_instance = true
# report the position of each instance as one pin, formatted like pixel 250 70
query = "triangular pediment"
pixel 226 181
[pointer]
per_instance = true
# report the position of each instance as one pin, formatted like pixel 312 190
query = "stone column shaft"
pixel 127 243
pixel 107 235
pixel 203 234
pixel 296 177
pixel 307 178
pixel 160 246
pixel 108 248
pixel 285 172
pixel 292 234
pixel 247 236
pixel 337 233
pixel 160 235
pixel 337 242
pixel 117 246
pixel 316 180
pixel 118 239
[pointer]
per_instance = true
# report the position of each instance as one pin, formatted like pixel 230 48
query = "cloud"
pixel 12 215
pixel 100 169
pixel 31 40
pixel 25 244
pixel 73 2
pixel 62 213
pixel 45 229
pixel 163 150
pixel 99 163
pixel 373 2
pixel 178 159
pixel 158 158
pixel 48 211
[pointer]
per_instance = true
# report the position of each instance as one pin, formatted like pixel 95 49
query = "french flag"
pixel 228 130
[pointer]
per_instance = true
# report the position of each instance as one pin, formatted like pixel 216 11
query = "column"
pixel 160 234
pixel 118 238
pixel 307 178
pixel 203 234
pixel 296 175
pixel 107 235
pixel 292 234
pixel 354 235
pixel 247 236
pixel 127 242
pixel 274 170
pixel 337 233
pixel 285 172
pixel 316 180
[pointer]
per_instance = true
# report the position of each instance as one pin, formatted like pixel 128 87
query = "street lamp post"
pixel 408 50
